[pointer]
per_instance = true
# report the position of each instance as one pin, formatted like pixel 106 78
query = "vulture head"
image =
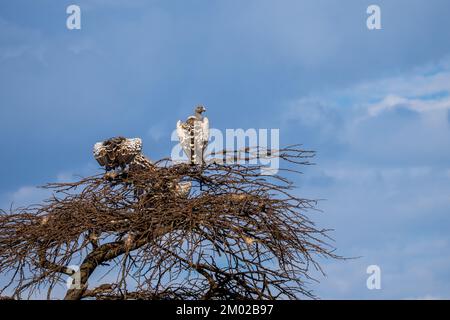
pixel 200 109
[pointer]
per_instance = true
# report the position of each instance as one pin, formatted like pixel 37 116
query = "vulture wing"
pixel 127 150
pixel 205 131
pixel 201 137
pixel 183 136
pixel 117 152
pixel 100 154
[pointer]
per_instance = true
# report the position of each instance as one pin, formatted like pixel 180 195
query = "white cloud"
pixel 368 120
pixel 23 196
pixel 85 45
pixel 28 195
pixel 17 41
pixel 421 89
pixel 156 132
pixel 386 185
pixel 392 101
pixel 414 269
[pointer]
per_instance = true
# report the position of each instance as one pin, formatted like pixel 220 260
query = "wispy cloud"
pixel 28 195
pixel 381 146
pixel 18 41
pixel 375 105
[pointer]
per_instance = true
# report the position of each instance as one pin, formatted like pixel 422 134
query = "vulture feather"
pixel 194 135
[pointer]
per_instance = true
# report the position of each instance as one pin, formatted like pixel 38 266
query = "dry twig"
pixel 242 236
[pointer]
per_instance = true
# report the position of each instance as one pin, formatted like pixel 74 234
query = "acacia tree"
pixel 238 234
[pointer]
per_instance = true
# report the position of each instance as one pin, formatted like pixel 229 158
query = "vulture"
pixel 194 136
pixel 119 152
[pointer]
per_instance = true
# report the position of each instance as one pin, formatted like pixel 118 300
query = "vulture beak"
pixel 200 109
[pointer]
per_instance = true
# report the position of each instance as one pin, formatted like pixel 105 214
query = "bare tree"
pixel 238 234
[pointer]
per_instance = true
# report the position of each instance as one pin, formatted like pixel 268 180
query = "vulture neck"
pixel 198 116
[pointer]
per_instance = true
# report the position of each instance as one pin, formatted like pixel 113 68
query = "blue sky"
pixel 374 104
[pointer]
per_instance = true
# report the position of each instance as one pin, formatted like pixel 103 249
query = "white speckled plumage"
pixel 124 153
pixel 194 135
pixel 119 151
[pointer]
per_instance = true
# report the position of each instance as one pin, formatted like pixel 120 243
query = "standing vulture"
pixel 194 136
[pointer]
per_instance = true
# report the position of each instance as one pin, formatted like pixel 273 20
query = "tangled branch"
pixel 237 234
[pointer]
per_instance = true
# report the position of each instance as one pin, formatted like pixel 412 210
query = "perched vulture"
pixel 194 135
pixel 120 152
